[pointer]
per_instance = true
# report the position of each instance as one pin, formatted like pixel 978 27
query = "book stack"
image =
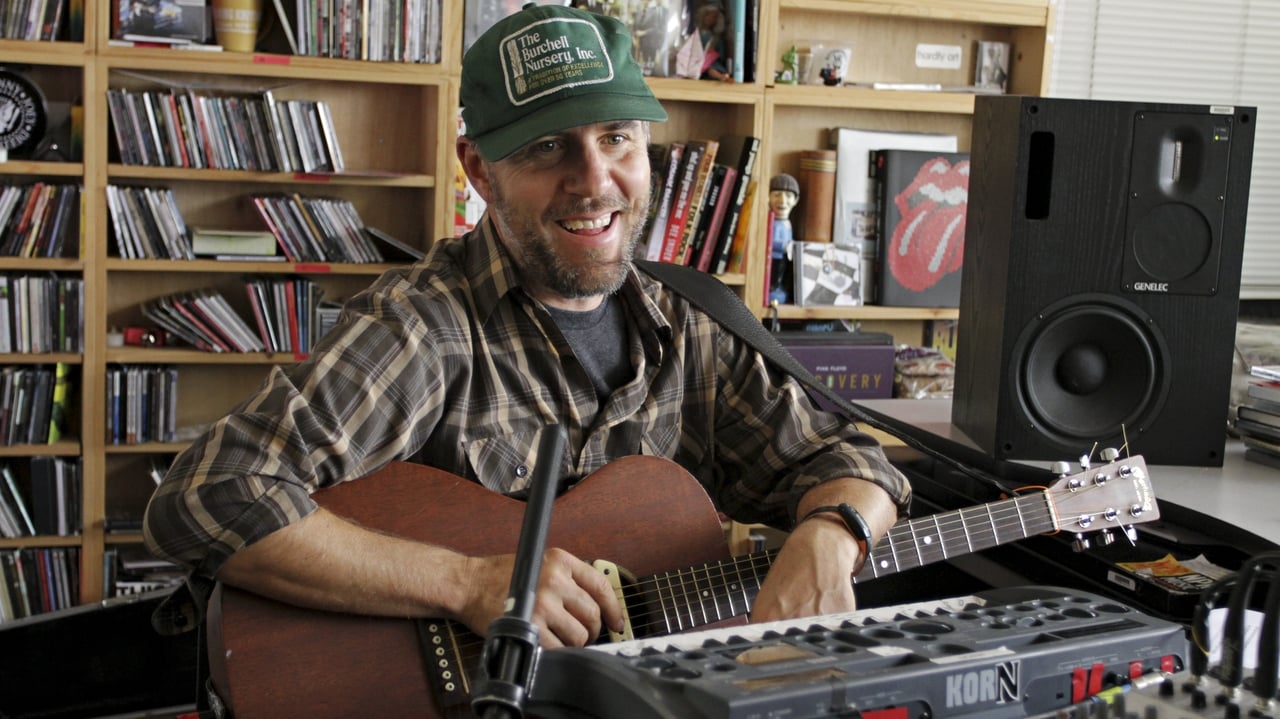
pixel 34 404
pixel 287 312
pixel 205 320
pixel 253 131
pixel 408 31
pixel 39 220
pixel 38 580
pixel 317 229
pixel 697 212
pixel 1258 421
pixel 147 224
pixel 41 313
pixel 130 569
pixel 42 502
pixel 34 19
pixel 142 404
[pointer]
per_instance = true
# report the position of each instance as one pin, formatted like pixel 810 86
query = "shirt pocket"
pixel 662 440
pixel 506 463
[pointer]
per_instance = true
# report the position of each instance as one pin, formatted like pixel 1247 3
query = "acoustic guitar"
pixel 644 514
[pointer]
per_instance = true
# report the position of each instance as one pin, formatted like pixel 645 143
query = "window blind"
pixel 1225 52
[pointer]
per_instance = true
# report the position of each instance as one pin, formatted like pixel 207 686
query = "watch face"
pixel 22 113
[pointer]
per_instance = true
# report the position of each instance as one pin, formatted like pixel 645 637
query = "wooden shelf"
pixel 1030 13
pixel 45 169
pixel 163 355
pixel 857 98
pixel 351 177
pixel 239 267
pixel 267 65
pixel 64 448
pixel 18 358
pixel 867 312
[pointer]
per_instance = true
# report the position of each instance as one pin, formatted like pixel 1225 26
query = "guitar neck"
pixel 719 591
pixel 917 542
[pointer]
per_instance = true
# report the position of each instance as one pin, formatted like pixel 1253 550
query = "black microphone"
pixel 511 650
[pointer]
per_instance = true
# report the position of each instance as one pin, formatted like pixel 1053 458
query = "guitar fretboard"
pixel 917 542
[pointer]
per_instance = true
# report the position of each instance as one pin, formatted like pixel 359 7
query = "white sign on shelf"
pixel 941 57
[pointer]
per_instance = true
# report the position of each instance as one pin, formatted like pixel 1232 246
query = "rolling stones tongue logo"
pixel 929 242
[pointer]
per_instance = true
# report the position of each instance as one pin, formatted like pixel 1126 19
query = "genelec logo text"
pixel 1150 286
pixel 999 685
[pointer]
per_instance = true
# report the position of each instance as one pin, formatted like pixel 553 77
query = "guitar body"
pixel 270 659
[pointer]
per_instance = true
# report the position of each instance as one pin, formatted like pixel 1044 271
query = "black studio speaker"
pixel 1101 277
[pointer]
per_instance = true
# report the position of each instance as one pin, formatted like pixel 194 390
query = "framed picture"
pixel 991 66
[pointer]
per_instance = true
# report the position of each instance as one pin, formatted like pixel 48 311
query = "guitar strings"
pixel 719 591
pixel 708 607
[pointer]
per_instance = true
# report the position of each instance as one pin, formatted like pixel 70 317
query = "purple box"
pixel 856 366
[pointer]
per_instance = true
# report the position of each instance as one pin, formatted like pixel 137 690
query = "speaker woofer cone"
pixel 1090 368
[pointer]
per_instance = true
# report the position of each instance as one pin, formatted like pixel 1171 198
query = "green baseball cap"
pixel 547 68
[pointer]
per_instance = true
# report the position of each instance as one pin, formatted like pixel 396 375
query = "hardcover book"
pixel 667 167
pixel 681 199
pixel 922 201
pixel 738 152
pixel 854 220
pixel 211 242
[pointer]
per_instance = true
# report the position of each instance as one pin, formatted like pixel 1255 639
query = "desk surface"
pixel 1243 493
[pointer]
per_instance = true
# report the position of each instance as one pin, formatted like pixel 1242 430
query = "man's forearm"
pixel 326 562
pixel 873 503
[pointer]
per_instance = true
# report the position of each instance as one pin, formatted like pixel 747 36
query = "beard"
pixel 543 264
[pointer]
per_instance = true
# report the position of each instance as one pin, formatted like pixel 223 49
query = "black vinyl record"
pixel 22 113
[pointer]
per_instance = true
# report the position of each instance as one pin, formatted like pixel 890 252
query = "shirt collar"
pixel 488 268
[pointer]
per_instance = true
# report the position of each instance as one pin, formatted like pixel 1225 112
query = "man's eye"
pixel 546 146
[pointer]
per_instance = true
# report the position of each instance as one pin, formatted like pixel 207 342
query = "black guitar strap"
pixel 723 305
pixel 713 297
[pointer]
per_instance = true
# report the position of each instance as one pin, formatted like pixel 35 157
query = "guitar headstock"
pixel 1106 498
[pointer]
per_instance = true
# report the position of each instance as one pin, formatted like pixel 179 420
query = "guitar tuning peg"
pixel 1060 468
pixel 1106 537
pixel 1084 461
pixel 1081 543
pixel 1110 454
pixel 1131 534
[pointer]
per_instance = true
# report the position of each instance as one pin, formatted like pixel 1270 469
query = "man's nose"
pixel 591 172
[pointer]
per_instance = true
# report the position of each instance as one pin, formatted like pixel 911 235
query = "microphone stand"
pixel 511 651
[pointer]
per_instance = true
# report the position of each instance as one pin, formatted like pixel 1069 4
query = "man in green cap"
pixel 535 320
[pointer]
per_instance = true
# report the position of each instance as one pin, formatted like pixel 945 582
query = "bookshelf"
pixel 396 125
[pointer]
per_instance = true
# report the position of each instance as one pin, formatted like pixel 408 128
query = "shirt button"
pixel 522 471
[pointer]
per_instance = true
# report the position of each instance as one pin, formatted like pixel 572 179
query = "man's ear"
pixel 474 165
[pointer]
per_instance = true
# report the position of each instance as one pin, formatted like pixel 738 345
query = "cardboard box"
pixel 854 365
